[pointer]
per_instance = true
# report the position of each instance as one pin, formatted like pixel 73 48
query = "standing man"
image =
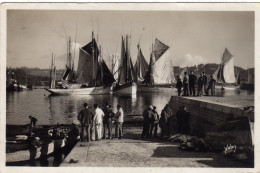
pixel 169 118
pixel 107 121
pixel 192 82
pixel 179 120
pixel 147 115
pixel 154 122
pixel 185 120
pixel 200 85
pixel 205 79
pixel 33 122
pixel 211 86
pixel 119 122
pixel 179 86
pixel 85 117
pixel 98 119
pixel 163 122
pixel 185 85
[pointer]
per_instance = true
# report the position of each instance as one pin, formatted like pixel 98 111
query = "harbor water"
pixel 64 109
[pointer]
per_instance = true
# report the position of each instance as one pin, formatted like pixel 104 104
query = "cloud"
pixel 190 60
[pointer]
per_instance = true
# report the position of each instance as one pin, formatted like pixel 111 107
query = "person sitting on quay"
pixel 147 115
pixel 185 85
pixel 85 117
pixel 200 85
pixel 192 82
pixel 72 138
pixel 179 86
pixel 119 122
pixel 107 121
pixel 154 122
pixel 98 119
pixel 211 86
pixel 33 122
pixel 205 79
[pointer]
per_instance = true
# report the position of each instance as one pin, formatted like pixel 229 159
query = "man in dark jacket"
pixel 192 82
pixel 179 86
pixel 185 120
pixel 154 122
pixel 163 122
pixel 169 118
pixel 185 85
pixel 33 122
pixel 211 86
pixel 85 117
pixel 107 121
pixel 200 85
pixel 147 115
pixel 205 79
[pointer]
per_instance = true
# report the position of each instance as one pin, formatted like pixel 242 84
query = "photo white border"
pixel 135 7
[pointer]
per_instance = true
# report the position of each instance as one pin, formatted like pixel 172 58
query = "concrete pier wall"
pixel 205 114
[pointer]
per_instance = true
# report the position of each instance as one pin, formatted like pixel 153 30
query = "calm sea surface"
pixel 64 109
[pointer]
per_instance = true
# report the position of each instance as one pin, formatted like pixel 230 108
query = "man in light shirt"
pixel 98 120
pixel 119 122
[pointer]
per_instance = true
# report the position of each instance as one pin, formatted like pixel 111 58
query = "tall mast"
pixel 93 57
pixel 126 58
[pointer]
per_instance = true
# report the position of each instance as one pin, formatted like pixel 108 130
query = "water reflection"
pixel 64 109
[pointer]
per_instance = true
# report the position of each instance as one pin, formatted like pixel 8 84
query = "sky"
pixel 193 37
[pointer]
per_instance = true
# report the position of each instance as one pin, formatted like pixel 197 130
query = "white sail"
pixel 229 72
pixel 163 70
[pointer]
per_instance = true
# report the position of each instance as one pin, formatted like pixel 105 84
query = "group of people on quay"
pixel 188 84
pixel 93 122
pixel 151 121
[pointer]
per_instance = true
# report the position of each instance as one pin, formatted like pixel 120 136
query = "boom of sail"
pixel 225 72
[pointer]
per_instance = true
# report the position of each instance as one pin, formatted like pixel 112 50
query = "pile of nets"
pixel 190 143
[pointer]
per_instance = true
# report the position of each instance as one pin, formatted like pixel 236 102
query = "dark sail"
pixel 159 49
pixel 149 80
pixel 105 77
pixel 141 66
pixel 122 74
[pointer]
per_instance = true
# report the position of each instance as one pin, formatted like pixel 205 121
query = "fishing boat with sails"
pixel 92 77
pixel 249 84
pixel 160 75
pixel 125 84
pixel 12 84
pixel 225 73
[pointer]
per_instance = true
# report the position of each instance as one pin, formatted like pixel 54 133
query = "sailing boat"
pixel 125 84
pixel 160 74
pixel 249 85
pixel 225 73
pixel 141 66
pixel 93 76
pixel 12 84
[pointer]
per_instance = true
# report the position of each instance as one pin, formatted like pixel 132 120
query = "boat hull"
pixel 128 89
pixel 81 91
pixel 155 89
pixel 227 86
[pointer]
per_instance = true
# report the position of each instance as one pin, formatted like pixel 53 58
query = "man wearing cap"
pixel 211 86
pixel 154 122
pixel 147 115
pixel 205 79
pixel 192 82
pixel 85 117
pixel 185 85
pixel 107 121
pixel 119 122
